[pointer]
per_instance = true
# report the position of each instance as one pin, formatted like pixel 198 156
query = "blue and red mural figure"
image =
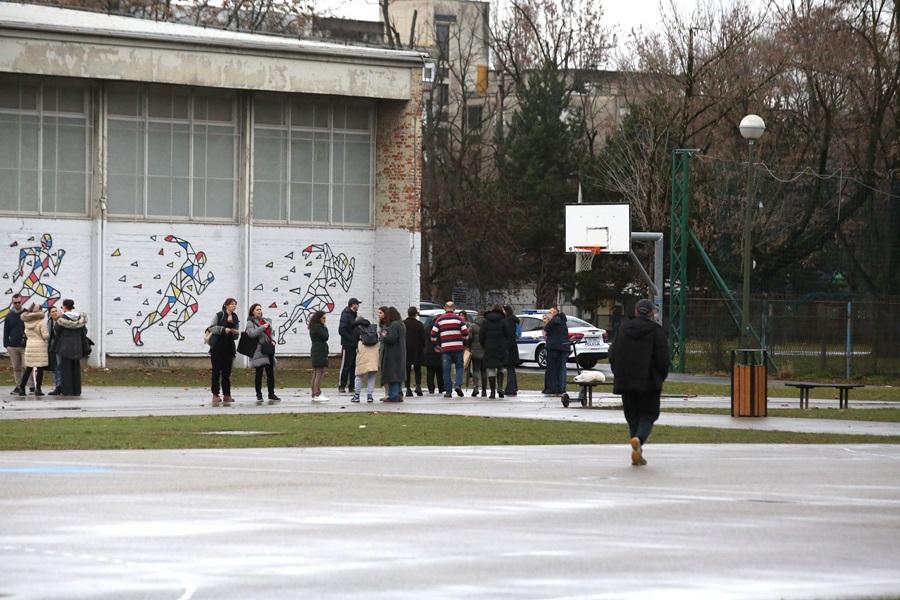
pixel 335 270
pixel 178 299
pixel 35 264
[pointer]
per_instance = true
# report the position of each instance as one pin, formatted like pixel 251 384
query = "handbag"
pixel 467 358
pixel 267 348
pixel 246 345
pixel 207 337
pixel 86 344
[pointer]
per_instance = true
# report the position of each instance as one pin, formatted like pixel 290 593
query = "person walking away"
pixel 348 345
pixel 558 348
pixel 70 330
pixel 35 359
pixel 259 329
pixel 14 340
pixel 479 378
pixel 415 349
pixel 640 363
pixel 448 334
pixel 514 330
pixel 318 354
pixel 393 352
pixel 224 330
pixel 54 362
pixel 366 358
pixel 494 337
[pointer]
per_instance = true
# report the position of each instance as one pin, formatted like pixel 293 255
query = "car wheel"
pixel 541 357
pixel 587 362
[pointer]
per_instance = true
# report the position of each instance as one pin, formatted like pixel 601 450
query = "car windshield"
pixel 576 322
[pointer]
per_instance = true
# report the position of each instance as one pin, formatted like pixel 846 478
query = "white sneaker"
pixel 319 399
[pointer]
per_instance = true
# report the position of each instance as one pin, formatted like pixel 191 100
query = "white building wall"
pixel 153 274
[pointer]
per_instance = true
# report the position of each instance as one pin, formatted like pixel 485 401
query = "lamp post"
pixel 752 128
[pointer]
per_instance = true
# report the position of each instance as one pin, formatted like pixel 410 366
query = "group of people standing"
pixel 36 341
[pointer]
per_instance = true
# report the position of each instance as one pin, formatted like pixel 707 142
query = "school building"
pixel 150 170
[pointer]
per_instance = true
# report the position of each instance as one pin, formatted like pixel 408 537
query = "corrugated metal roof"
pixel 48 19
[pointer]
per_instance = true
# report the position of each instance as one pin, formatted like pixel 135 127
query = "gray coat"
pixel 258 333
pixel 393 353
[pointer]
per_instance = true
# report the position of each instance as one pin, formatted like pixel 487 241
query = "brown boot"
pixel 227 400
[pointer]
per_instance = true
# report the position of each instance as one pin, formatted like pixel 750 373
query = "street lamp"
pixel 752 127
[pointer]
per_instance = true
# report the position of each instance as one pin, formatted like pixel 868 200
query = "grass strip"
pixel 885 415
pixel 298 430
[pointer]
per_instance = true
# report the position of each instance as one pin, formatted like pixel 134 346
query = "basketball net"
pixel 584 258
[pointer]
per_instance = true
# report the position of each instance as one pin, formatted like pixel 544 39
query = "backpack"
pixel 369 336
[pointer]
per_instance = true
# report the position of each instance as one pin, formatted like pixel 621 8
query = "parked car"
pixel 589 344
pixel 424 305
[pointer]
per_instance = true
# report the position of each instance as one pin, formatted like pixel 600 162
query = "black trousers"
pixel 435 375
pixel 348 367
pixel 71 377
pixel 641 412
pixel 38 376
pixel 221 371
pixel 512 383
pixel 417 372
pixel 270 379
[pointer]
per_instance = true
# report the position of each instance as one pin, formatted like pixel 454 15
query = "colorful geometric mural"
pixel 39 263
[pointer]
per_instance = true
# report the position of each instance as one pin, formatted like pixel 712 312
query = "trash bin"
pixel 749 382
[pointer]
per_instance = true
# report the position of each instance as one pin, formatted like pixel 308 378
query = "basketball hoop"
pixel 584 258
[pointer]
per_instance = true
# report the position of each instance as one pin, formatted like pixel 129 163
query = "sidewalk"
pixel 158 401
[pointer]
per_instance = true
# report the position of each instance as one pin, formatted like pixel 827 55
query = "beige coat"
pixel 37 334
pixel 366 358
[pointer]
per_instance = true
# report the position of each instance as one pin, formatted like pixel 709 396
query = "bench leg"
pixel 844 399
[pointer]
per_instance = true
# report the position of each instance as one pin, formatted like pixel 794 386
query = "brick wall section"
pixel 398 161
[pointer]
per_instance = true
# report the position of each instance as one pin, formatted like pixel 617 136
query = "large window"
pixel 172 153
pixel 44 148
pixel 312 161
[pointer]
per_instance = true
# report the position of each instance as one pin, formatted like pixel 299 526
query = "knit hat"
pixel 645 307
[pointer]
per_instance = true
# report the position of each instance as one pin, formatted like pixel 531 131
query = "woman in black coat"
pixel 224 329
pixel 415 349
pixel 512 352
pixel 494 337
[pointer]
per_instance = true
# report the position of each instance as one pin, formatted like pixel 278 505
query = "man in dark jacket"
pixel 348 345
pixel 14 338
pixel 640 363
pixel 415 349
pixel 558 348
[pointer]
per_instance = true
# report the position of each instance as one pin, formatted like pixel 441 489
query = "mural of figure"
pixel 39 260
pixel 335 270
pixel 178 293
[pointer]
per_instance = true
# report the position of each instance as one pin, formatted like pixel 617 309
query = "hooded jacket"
pixel 639 357
pixel 494 336
pixel 69 329
pixel 366 356
pixel 557 331
pixel 37 333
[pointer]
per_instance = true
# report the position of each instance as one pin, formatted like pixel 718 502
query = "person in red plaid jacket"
pixel 448 334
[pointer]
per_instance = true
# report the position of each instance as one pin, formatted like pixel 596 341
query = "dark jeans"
pixel 221 370
pixel 512 384
pixel 455 357
pixel 556 371
pixel 348 367
pixel 417 372
pixel 435 379
pixel 71 377
pixel 641 412
pixel 270 379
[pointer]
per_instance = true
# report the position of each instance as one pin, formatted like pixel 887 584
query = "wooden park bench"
pixel 842 388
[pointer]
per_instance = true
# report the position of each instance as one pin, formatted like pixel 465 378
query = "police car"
pixel 590 344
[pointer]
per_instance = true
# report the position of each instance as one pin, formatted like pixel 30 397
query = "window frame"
pixel 145 120
pixel 287 127
pixel 90 118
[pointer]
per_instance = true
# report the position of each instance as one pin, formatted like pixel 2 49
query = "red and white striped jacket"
pixel 449 332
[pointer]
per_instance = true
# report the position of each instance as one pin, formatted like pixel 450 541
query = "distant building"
pixel 150 170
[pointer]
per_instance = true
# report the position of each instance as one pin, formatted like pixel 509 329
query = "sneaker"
pixel 408 393
pixel 273 399
pixel 319 398
pixel 54 392
pixel 259 401
pixel 474 392
pixel 354 399
pixel 637 458
pixel 342 390
pixel 459 392
pixel 370 399
pixel 216 400
pixel 227 400
pixel 448 395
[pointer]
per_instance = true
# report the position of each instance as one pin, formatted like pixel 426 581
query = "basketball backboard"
pixel 607 225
